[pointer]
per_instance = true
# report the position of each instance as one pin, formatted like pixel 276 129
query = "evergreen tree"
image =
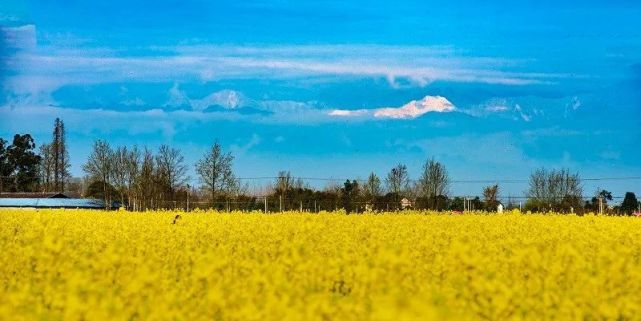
pixel 630 203
pixel 60 156
pixel 5 166
pixel 350 192
pixel 23 163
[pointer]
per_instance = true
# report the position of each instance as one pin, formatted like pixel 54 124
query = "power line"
pixel 453 181
pixel 457 181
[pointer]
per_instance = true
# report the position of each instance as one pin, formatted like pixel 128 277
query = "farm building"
pixel 406 203
pixel 34 195
pixel 51 203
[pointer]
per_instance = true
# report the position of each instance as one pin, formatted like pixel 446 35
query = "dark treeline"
pixel 22 169
pixel 141 179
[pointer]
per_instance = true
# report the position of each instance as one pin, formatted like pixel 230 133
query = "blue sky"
pixel 329 88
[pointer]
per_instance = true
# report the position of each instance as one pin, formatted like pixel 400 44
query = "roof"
pixel 33 195
pixel 52 203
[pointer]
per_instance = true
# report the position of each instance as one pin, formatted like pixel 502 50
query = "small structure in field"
pixel 406 203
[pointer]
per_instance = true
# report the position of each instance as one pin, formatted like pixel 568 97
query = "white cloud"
pixel 242 149
pixel 525 108
pixel 177 97
pixel 526 117
pixel 134 102
pixel 576 103
pixel 229 99
pixel 22 37
pixel 401 66
pixel 413 109
pixel 497 108
pixel 348 113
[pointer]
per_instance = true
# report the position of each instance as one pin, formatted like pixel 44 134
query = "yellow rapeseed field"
pixel 86 265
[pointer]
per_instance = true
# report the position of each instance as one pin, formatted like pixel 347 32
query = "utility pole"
pixel 600 204
pixel 188 190
pixel 265 204
pixel 280 203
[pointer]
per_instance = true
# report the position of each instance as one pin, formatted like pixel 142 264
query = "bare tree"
pixel 554 190
pixel 46 168
pixel 491 195
pixel 132 165
pixel 215 171
pixel 98 167
pixel 398 181
pixel 434 182
pixel 284 183
pixel 120 171
pixel 146 182
pixel 299 183
pixel 372 187
pixel 172 171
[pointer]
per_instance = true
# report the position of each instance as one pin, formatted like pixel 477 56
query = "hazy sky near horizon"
pixel 335 88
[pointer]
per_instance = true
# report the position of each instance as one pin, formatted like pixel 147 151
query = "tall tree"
pixel 172 171
pixel 215 171
pixel 284 183
pixel 120 171
pixel 99 167
pixel 601 198
pixel 24 163
pixel 60 156
pixel 350 193
pixel 146 182
pixel 132 166
pixel 5 167
pixel 372 187
pixel 491 195
pixel 630 203
pixel 283 186
pixel 46 168
pixel 398 181
pixel 434 182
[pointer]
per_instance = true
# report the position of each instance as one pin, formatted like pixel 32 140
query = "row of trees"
pixel 137 178
pixel 555 190
pixel 141 179
pixel 396 191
